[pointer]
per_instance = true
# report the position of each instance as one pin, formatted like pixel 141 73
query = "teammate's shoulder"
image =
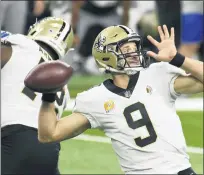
pixel 5 34
pixel 21 40
pixel 4 37
pixel 12 37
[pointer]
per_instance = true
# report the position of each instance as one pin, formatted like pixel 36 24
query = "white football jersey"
pixel 142 122
pixel 20 105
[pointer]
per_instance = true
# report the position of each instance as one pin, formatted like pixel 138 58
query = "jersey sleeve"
pixel 20 41
pixel 85 106
pixel 170 73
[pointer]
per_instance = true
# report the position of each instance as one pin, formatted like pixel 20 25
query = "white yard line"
pixel 182 104
pixel 101 139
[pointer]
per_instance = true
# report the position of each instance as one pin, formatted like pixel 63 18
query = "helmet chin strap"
pixel 132 71
pixel 128 71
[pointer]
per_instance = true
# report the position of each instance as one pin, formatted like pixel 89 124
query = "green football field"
pixel 90 157
pixel 84 157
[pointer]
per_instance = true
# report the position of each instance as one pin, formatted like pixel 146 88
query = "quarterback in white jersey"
pixel 135 109
pixel 48 39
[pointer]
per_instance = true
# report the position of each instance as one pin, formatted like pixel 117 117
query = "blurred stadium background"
pixel 91 153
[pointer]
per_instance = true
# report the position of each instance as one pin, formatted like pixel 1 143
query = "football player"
pixel 22 153
pixel 136 108
pixel 88 19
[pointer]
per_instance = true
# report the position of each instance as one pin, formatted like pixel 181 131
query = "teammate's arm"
pixel 76 5
pixel 125 15
pixel 167 51
pixel 52 130
pixel 6 52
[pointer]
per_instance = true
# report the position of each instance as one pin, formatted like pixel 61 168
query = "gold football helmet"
pixel 108 55
pixel 55 32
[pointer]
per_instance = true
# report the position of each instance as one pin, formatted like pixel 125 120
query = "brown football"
pixel 48 77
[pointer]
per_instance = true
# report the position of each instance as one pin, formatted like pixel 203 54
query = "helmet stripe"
pixel 61 29
pixel 125 29
pixel 67 33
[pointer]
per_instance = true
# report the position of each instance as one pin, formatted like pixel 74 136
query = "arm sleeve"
pixel 62 107
pixel 84 105
pixel 171 73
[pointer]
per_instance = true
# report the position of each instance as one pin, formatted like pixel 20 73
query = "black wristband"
pixel 177 60
pixel 49 97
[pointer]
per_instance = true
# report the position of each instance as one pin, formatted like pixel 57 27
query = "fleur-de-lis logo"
pixel 99 44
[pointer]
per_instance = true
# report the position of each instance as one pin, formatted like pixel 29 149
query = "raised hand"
pixel 167 48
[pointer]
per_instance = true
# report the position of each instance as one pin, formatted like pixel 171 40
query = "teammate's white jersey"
pixel 19 105
pixel 145 131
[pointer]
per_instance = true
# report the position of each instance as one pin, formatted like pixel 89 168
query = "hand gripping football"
pixel 48 77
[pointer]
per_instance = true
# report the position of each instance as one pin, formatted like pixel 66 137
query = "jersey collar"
pixel 120 91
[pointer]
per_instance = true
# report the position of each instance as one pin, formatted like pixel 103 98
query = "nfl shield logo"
pixel 149 89
pixel 127 94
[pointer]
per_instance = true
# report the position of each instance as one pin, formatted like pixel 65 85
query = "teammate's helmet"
pixel 108 55
pixel 55 32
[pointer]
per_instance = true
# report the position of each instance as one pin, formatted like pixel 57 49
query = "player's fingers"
pixel 172 33
pixel 161 33
pixel 153 41
pixel 166 32
pixel 152 54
